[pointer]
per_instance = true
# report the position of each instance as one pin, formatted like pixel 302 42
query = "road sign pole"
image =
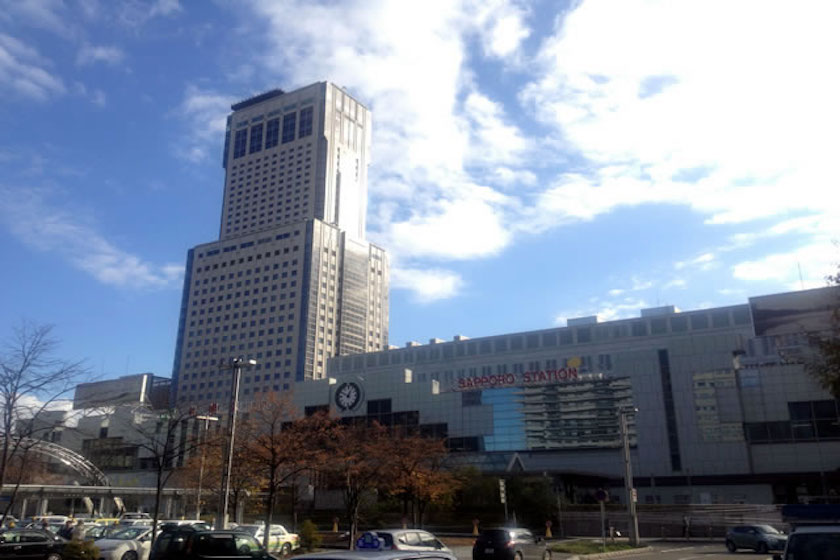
pixel 603 530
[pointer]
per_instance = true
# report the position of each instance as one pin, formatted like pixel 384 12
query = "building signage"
pixel 525 379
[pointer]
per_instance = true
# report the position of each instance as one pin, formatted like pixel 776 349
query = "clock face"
pixel 348 396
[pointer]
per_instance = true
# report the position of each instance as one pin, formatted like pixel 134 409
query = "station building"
pixel 726 411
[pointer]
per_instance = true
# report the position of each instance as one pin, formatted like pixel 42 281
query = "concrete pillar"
pixel 44 506
pixel 167 508
pixel 100 507
pixel 23 504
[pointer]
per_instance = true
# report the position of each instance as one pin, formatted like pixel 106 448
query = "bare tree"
pixel 32 379
pixel 167 440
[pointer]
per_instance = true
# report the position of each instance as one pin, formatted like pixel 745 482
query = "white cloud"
pixel 492 141
pixel 427 285
pixel 90 54
pixel 25 72
pixel 738 128
pixel 706 261
pixel 44 14
pixel 805 267
pixel 165 8
pixel 205 113
pixel 27 214
pixel 607 310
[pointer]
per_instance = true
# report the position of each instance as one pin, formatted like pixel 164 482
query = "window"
pixel 272 133
pixel 305 128
pixel 256 138
pixel 239 143
pixel 289 127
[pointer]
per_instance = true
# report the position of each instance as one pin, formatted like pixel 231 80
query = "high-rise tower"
pixel 291 280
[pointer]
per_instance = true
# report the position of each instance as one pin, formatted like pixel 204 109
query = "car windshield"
pixel 250 529
pixel 768 529
pixel 497 535
pixel 129 534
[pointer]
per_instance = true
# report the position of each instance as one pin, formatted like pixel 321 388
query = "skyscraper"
pixel 291 280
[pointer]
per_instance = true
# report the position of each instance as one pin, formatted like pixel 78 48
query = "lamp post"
pixel 207 419
pixel 628 475
pixel 236 364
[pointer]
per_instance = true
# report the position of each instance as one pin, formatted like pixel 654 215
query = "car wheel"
pixel 730 546
pixel 130 555
pixel 761 548
pixel 53 556
pixel 286 549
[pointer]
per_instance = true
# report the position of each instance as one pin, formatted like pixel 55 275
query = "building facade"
pixel 291 280
pixel 726 410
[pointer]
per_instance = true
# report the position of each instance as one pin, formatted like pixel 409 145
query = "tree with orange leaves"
pixel 279 448
pixel 418 473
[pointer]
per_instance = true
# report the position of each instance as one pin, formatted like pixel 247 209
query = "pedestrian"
pixel 45 525
pixel 78 533
pixel 686 527
pixel 66 532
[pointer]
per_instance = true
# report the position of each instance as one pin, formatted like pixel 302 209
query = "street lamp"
pixel 628 474
pixel 207 419
pixel 236 364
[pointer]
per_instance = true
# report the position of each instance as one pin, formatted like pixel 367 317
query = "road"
pixel 665 551
pixel 699 551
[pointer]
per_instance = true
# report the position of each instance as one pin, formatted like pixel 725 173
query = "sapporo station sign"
pixel 524 379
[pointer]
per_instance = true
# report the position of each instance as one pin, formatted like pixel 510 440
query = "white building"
pixel 291 281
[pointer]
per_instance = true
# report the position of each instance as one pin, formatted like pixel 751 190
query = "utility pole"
pixel 628 475
pixel 236 364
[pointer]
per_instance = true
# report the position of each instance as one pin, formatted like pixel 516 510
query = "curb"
pixel 613 554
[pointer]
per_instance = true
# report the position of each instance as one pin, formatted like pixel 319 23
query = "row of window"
pixel 258 136
pixel 561 337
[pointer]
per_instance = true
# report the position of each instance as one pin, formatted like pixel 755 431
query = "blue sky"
pixel 532 161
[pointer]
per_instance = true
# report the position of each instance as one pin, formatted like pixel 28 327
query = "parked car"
pixel 185 543
pixel 410 539
pixel 819 542
pixel 95 532
pixel 197 524
pixel 135 518
pixel 279 539
pixel 131 543
pixel 759 538
pixel 35 544
pixel 509 544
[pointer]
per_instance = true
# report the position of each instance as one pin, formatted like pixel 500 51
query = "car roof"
pixel 817 529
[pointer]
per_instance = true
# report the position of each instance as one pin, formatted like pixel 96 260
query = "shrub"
pixel 80 550
pixel 310 538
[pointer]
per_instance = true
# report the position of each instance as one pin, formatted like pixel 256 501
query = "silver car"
pixel 378 555
pixel 410 540
pixel 759 538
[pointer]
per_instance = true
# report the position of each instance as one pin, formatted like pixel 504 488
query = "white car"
pixel 279 539
pixel 132 543
pixel 135 518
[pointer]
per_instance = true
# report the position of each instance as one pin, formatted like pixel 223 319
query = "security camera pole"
pixel 628 475
pixel 236 364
